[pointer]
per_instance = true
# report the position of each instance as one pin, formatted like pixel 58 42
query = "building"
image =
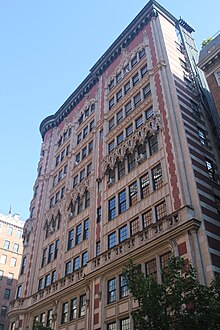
pixel 128 168
pixel 209 62
pixel 11 248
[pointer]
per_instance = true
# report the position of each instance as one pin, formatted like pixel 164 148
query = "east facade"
pixel 128 169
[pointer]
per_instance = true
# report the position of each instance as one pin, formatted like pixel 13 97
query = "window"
pixel 80 204
pixel 123 233
pixel 119 116
pixel 112 84
pixel 98 248
pixel 143 70
pixel 210 168
pixel 141 53
pixel 153 144
pixel 64 316
pixel 70 244
pixel 126 69
pixel 134 61
pixel 6 245
pixel 82 175
pixel 10 231
pixel 125 324
pixel 13 262
pixel 137 99
pixel 111 240
pixel 53 276
pixel 76 263
pixel 92 108
pixel 160 210
pixel 129 130
pixel 157 177
pixel 111 124
pixel 78 233
pixel 62 194
pixel 18 294
pixel 202 136
pixel 84 259
pixel 86 229
pixel 4 310
pixel 85 132
pixel 49 318
pixel 62 155
pixel 1 274
pixel 151 268
pixel 134 226
pixel 111 103
pixel 118 77
pixel 75 181
pixel 99 214
pixel 90 146
pixel 50 253
pixel 84 152
pixel 19 233
pixel 145 186
pixel 65 170
pixel 57 243
pixel 127 87
pixel 47 280
pixel 23 264
pixel 133 194
pixel 135 79
pixel 51 201
pixel 40 284
pixel 217 203
pixel 111 208
pixel 119 95
pixel 89 169
pixel 149 113
pixel 123 287
pixel 68 269
pixel 112 326
pixel 91 125
pixel 121 169
pixel 111 290
pixel 87 199
pixel 78 158
pixel 82 305
pixel 3 259
pixel 141 152
pixel 122 201
pixel 128 108
pixel 111 146
pixel 73 308
pixel 79 137
pixel 57 160
pixel 139 121
pixel 7 293
pixel 131 162
pixel 12 326
pixel 120 138
pixel 217 76
pixel 147 218
pixel 57 197
pixel 164 260
pixel 44 256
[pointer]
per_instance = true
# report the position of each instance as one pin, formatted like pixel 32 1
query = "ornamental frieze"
pixel 150 127
pixel 77 192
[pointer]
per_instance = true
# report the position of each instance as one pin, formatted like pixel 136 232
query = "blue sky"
pixel 47 48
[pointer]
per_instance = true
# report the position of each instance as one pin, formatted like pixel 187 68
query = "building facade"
pixel 128 169
pixel 11 248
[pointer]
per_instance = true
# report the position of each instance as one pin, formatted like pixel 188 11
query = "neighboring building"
pixel 209 62
pixel 11 248
pixel 128 169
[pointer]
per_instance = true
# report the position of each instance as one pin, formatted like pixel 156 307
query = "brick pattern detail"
pixel 182 249
pixel 161 107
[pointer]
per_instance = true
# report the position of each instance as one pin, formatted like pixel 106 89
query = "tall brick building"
pixel 128 168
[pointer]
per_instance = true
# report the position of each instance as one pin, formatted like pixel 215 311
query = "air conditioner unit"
pixel 110 182
pixel 141 158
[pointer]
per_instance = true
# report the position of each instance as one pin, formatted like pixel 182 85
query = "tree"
pixel 206 41
pixel 180 302
pixel 39 326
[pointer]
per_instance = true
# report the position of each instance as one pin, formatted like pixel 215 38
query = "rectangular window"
pixel 3 259
pixel 202 136
pixel 1 274
pixel 19 234
pixel 137 99
pixel 147 218
pixel 73 309
pixel 157 177
pixel 111 290
pixel 85 131
pixel 120 138
pixel 119 77
pixel 139 121
pixel 62 155
pixel 111 124
pixel 135 79
pixel 80 204
pixel 3 310
pixel 79 137
pixel 65 169
pixel 6 245
pixel 82 175
pixel 68 267
pixel 84 259
pixel 75 181
pixel 164 260
pixel 57 243
pixel 67 150
pixel 141 53
pixel 111 103
pixel 134 226
pixel 111 85
pixel 57 197
pixel 210 168
pixel 54 276
pixel 98 248
pixel 129 130
pixel 57 160
pixel 90 146
pixel 91 125
pixel 125 324
pixel 44 257
pixel 153 144
pixel 142 154
pixel 89 169
pixel 133 194
pixel 78 233
pixel 84 152
pixel 82 305
pixel 49 318
pixel 86 229
pixel 119 95
pixel 7 293
pixel 99 214
pixel 10 231
pixel 59 175
pixel 18 294
pixel 112 326
pixel 78 158
pixel 50 253
pixel 143 70
pixel 47 280
pixel 121 169
pixel 134 61
pixel 70 244
pixel 119 116
pixel 149 113
pixel 123 233
pixel 131 162
pixel 111 240
pixel 122 201
pixel 76 263
pixel 160 210
pixel 111 208
pixel 62 193
pixel 87 199
pixel 145 186
pixel 123 287
pixel 41 284
pixel 151 268
pixel 10 278
pixel 128 108
pixel 64 316
pixel 127 87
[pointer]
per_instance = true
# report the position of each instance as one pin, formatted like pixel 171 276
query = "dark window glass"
pixel 73 309
pixel 147 218
pixel 111 123
pixel 129 130
pixel 149 113
pixel 57 243
pixel 157 177
pixel 120 138
pixel 50 253
pixel 151 268
pixel 121 169
pixel 68 269
pixel 135 79
pixel 119 95
pixel 64 316
pixel 119 116
pixel 122 201
pixel 82 305
pixel 123 233
pixel 145 186
pixel 131 162
pixel 123 285
pixel 139 121
pixel 160 210
pixel 78 233
pixel 76 263
pixel 111 208
pixel 133 194
pixel 137 99
pixel 86 229
pixel 111 240
pixel 127 87
pixel 144 70
pixel 128 108
pixel 84 259
pixel 134 226
pixel 70 244
pixel 153 144
pixel 111 290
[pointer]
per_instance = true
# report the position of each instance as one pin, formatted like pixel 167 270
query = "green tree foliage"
pixel 40 326
pixel 206 41
pixel 180 302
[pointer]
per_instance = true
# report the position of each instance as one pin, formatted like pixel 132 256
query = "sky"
pixel 47 48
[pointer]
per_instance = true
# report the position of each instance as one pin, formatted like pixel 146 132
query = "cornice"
pixel 151 10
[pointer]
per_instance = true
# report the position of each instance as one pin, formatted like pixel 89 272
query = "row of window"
pixel 124 324
pixel 62 155
pixel 43 319
pixel 79 177
pixel 3 260
pixel 76 263
pixel 130 84
pixel 86 130
pixel 10 230
pixel 50 253
pixel 69 309
pixel 9 277
pixel 87 112
pixel 7 246
pixel 147 219
pixel 78 234
pixel 85 152
pixel 55 198
pixel 127 67
pixel 139 189
pixel 79 205
pixel 64 137
pixel 47 280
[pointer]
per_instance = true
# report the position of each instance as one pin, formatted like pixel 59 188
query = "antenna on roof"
pixel 9 212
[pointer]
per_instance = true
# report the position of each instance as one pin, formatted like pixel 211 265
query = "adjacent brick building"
pixel 11 248
pixel 128 168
